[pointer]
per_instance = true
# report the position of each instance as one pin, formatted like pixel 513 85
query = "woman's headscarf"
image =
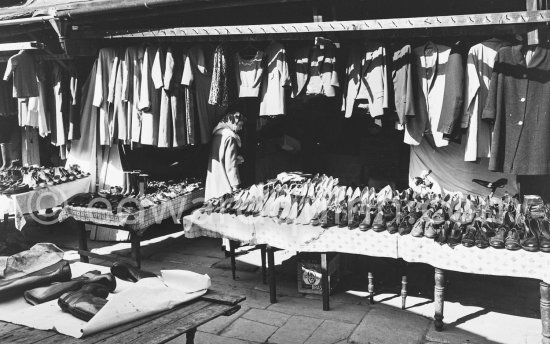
pixel 228 126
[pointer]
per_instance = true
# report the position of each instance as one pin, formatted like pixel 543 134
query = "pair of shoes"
pixel 127 272
pixel 58 272
pixel 85 302
pixel 537 235
pixel 44 294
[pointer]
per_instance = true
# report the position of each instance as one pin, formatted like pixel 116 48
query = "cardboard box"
pixel 309 272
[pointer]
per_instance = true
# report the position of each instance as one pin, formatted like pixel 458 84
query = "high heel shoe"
pixel 319 209
pixel 340 206
pixel 393 218
pixel 354 207
pixel 379 224
pixel 328 216
pixel 286 206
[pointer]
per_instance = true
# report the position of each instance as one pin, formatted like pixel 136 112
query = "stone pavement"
pixel 478 309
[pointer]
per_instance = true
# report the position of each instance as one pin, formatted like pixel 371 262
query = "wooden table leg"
pixel 324 282
pixel 264 270
pixel 136 247
pixel 371 288
pixel 403 284
pixel 83 241
pixel 191 336
pixel 232 245
pixel 271 274
pixel 439 298
pixel 403 291
pixel 545 311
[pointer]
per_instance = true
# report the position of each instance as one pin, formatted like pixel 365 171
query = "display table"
pixel 151 320
pixel 136 223
pixel 301 238
pixel 306 238
pixel 43 198
pixel 159 328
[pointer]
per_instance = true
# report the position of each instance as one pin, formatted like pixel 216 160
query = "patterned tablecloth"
pixel 43 198
pixel 306 238
pixel 140 220
pixel 488 261
pixel 301 238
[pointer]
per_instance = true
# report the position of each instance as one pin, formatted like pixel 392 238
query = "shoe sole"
pixel 497 246
pixel 530 249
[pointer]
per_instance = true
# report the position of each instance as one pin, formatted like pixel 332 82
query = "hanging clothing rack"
pixel 529 18
pixel 21 46
pixel 41 57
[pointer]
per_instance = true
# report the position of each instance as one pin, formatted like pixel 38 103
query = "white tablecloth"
pixel 487 261
pixel 301 238
pixel 306 238
pixel 39 199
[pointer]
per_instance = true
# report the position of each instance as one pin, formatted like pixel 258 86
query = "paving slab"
pixel 454 335
pixel 331 332
pixel 220 323
pixel 313 308
pixel 208 338
pixel 500 328
pixel 383 325
pixel 249 330
pixel 296 330
pixel 267 317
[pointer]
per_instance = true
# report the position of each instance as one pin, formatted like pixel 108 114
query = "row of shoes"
pixel 448 219
pixel 18 179
pixel 134 197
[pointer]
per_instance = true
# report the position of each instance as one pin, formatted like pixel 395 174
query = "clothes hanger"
pixel 248 52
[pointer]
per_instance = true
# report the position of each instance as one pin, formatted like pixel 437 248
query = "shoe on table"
pixel 455 235
pixel 497 241
pixel 513 239
pixel 530 241
pixel 433 224
pixel 482 236
pixel 544 237
pixel 469 236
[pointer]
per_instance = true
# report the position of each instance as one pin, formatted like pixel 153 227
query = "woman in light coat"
pixel 223 173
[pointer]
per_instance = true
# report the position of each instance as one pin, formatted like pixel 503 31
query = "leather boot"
pixel 59 272
pixel 85 302
pixel 127 272
pixel 5 156
pixel 530 241
pixel 544 236
pixel 44 294
pixel 124 183
pixel 135 183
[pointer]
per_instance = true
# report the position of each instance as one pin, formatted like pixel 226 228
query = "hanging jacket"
pixel 315 71
pixel 453 96
pixel 431 68
pixel 402 77
pixel 367 79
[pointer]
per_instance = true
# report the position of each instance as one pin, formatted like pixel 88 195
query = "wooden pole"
pixel 545 311
pixel 439 298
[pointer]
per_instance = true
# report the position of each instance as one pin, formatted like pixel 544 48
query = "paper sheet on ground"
pixel 129 302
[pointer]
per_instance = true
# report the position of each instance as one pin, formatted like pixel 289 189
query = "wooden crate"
pixel 309 272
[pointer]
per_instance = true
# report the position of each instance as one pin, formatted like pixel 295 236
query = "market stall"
pixel 417 114
pixel 450 232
